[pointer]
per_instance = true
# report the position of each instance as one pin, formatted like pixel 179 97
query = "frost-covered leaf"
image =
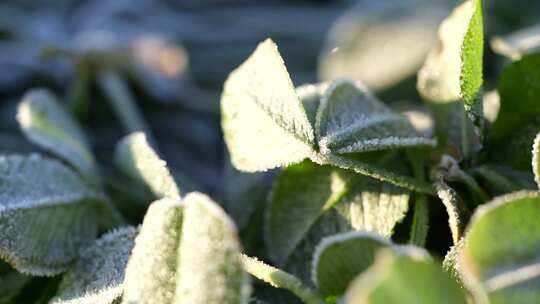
pixel 350 119
pixel 47 214
pixel 340 258
pixel 501 249
pixel 536 159
pixel 303 193
pixel 47 124
pixel 310 95
pixel 519 90
pixel 264 123
pixel 209 265
pixel 151 270
pixel 409 278
pixel 98 275
pixel 137 159
pixel 453 69
pixel 519 43
pixel 451 262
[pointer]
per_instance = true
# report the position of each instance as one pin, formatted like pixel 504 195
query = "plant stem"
pixel 420 223
pixel 280 279
pixel 123 103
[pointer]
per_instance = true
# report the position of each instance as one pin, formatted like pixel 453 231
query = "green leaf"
pixel 98 274
pixel 472 55
pixel 350 119
pixel 515 149
pixel 45 123
pixel 136 158
pixel 280 279
pixel 340 258
pixel 209 264
pixel 305 192
pixel 500 255
pixel 498 180
pixel 536 159
pixel 519 90
pixel 263 120
pixel 404 278
pixel 451 262
pixel 453 69
pixel 11 283
pixel 47 214
pixel 151 270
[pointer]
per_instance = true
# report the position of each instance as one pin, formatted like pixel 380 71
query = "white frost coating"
pixel 44 122
pixel 264 123
pixel 209 264
pixel 439 78
pixel 151 270
pixel 536 159
pixel 98 275
pixel 351 119
pixel 338 238
pixel 45 218
pixel 137 159
pixel 387 142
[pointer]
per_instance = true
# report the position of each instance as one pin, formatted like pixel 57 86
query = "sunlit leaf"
pixel 264 123
pixel 500 254
pixel 47 214
pixel 209 265
pixel 536 159
pixel 350 119
pixel 453 69
pixel 46 123
pixel 409 278
pixel 98 274
pixel 151 270
pixel 137 159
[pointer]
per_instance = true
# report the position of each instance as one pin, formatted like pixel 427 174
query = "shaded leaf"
pixel 305 192
pixel 11 283
pixel 47 124
pixel 151 270
pixel 264 123
pixel 136 158
pixel 519 90
pixel 502 179
pixel 98 274
pixel 389 280
pixel 350 119
pixel 500 255
pixel 340 258
pixel 45 218
pixel 209 264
